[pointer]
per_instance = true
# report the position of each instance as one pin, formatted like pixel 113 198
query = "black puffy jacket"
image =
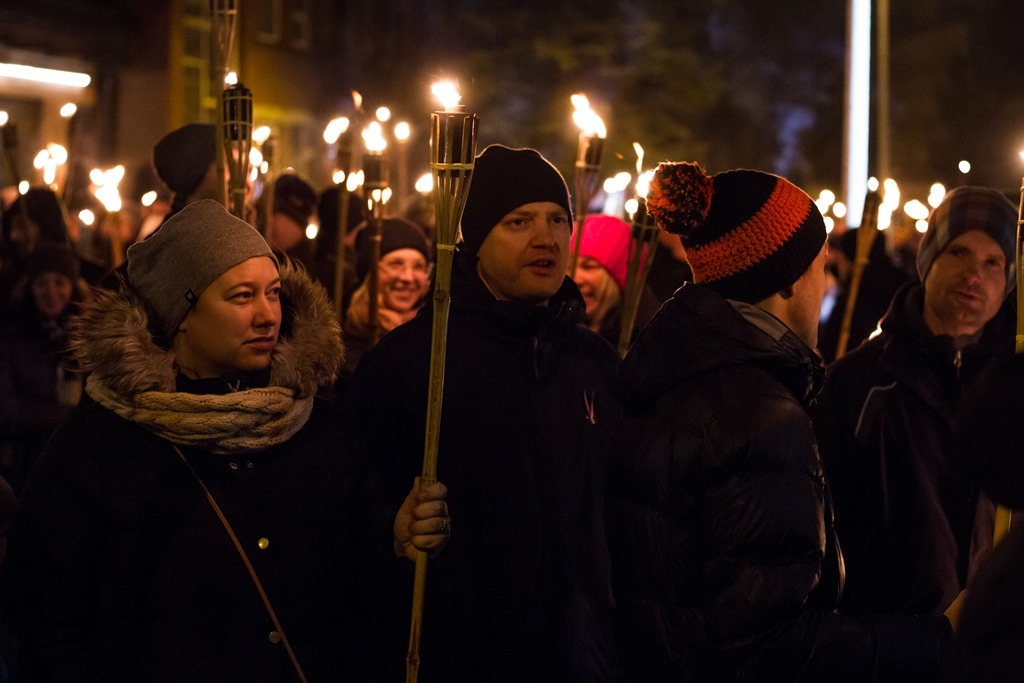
pixel 724 562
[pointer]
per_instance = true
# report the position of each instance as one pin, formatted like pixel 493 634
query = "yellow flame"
pixel 261 134
pixel 639 157
pixel 643 183
pixel 373 136
pixel 586 118
pixel 335 128
pixel 447 94
pixel 68 110
pixel 106 186
pixel 425 183
pixel 402 130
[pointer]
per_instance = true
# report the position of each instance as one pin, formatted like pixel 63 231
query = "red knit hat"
pixel 747 234
pixel 606 239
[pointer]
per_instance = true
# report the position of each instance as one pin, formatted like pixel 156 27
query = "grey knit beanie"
pixel 197 245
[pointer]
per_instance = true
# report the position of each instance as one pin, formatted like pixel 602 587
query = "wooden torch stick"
pixel 642 244
pixel 452 153
pixel 865 239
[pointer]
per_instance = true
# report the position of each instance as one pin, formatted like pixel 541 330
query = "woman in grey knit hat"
pixel 204 516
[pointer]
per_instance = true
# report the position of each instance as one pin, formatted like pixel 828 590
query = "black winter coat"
pixel 907 508
pixel 523 591
pixel 724 562
pixel 120 570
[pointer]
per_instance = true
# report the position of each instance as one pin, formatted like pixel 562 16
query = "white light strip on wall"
pixel 40 75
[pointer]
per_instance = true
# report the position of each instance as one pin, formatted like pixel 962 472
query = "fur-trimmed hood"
pixel 112 341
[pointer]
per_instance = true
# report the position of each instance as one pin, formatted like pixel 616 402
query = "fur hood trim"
pixel 112 341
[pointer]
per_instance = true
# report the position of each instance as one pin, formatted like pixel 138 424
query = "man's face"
pixel 525 256
pixel 965 286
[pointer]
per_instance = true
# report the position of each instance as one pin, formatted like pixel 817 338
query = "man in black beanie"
pixel 528 409
pixel 908 508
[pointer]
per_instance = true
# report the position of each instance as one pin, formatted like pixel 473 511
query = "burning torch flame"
pixel 106 187
pixel 335 128
pixel 373 136
pixel 586 118
pixel 643 183
pixel 639 158
pixel 447 94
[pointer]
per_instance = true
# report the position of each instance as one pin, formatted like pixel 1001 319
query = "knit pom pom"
pixel 679 196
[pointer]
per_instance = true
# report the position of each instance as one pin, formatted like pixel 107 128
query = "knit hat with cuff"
pixel 606 240
pixel 503 180
pixel 182 157
pixel 747 234
pixel 395 234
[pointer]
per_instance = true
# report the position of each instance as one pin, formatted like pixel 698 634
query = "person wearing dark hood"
pixel 39 383
pixel 204 517
pixel 34 219
pixel 524 593
pixel 725 562
pixel 911 515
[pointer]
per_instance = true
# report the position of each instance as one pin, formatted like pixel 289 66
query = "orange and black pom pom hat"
pixel 747 234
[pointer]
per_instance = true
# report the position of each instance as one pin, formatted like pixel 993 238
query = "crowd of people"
pixel 211 450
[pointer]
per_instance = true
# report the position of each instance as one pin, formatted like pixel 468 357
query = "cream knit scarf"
pixel 129 374
pixel 239 422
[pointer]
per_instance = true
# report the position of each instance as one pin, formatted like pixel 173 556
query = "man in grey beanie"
pixel 908 512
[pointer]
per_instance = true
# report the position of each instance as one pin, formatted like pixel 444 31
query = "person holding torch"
pixel 523 589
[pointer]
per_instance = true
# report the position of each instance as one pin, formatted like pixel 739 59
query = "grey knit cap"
pixel 197 245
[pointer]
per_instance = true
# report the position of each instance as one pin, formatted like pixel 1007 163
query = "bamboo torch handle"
pixel 453 152
pixel 865 239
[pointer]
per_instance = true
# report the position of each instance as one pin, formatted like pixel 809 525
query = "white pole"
pixel 858 107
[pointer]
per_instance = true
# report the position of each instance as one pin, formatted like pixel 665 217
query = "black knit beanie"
pixel 503 180
pixel 294 198
pixel 46 210
pixel 395 233
pixel 182 157
pixel 53 258
pixel 747 234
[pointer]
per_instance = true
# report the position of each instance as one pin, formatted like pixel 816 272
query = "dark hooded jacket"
pixel 119 569
pixel 907 508
pixel 725 566
pixel 524 591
